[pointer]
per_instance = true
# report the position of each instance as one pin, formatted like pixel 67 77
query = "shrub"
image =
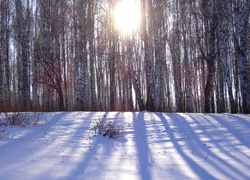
pixel 108 129
pixel 2 132
pixel 19 119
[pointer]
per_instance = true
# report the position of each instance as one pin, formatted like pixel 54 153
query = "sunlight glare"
pixel 127 16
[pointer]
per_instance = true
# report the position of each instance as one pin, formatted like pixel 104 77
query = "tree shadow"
pixel 90 155
pixel 177 120
pixel 143 150
pixel 96 161
pixel 200 142
pixel 55 117
pixel 218 145
pixel 20 151
pixel 238 127
pixel 225 136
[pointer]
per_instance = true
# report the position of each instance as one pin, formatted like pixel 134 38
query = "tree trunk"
pixel 134 80
pixel 223 49
pixel 242 11
pixel 23 79
pixel 92 54
pixel 149 55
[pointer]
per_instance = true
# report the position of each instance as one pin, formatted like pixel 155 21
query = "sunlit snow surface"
pixel 154 146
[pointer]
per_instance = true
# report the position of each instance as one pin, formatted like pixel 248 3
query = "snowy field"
pixel 154 146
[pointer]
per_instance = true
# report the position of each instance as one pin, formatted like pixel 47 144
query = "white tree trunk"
pixel 223 49
pixel 241 11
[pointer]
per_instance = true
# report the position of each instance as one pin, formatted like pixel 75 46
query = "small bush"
pixel 15 119
pixel 107 129
pixel 19 119
pixel 2 132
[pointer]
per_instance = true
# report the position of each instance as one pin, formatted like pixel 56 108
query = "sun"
pixel 127 16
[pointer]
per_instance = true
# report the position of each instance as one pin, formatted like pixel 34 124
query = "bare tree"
pixel 22 46
pixel 241 12
pixel 223 49
pixel 4 54
pixel 68 55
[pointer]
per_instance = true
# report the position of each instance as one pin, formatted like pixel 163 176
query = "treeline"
pixel 187 56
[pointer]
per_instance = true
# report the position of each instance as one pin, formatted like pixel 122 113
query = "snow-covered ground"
pixel 154 146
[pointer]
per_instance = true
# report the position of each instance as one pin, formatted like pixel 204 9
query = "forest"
pixel 69 55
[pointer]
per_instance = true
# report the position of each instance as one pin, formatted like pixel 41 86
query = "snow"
pixel 153 146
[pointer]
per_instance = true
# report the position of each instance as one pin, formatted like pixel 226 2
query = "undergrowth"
pixel 19 119
pixel 107 128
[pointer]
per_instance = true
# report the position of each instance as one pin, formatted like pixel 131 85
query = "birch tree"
pixel 22 46
pixel 207 46
pixel 241 12
pixel 147 28
pixel 68 55
pixel 224 55
pixel 81 54
pixel 5 74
